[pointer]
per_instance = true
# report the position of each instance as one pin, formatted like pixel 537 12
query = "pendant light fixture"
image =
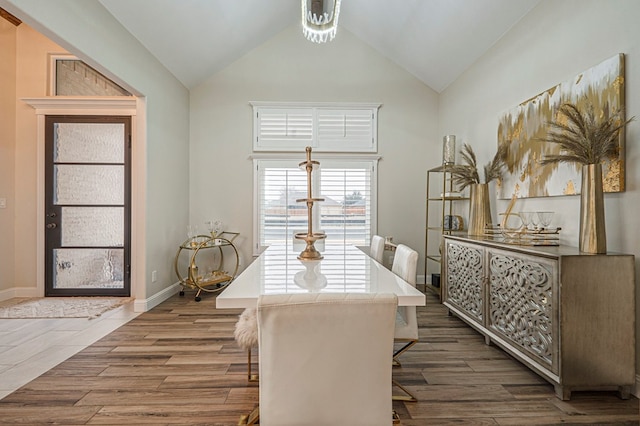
pixel 320 19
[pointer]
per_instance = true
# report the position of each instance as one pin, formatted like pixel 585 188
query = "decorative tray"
pixel 525 237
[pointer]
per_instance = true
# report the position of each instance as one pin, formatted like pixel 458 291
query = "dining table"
pixel 344 268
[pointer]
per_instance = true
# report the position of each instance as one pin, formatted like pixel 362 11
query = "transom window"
pixel 325 127
pixel 69 76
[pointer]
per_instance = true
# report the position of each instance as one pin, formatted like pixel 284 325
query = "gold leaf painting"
pixel 525 126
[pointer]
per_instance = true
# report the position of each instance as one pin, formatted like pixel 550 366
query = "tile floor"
pixel 30 347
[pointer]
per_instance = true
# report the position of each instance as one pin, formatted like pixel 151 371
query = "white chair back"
pixel 405 263
pixel 324 359
pixel 376 250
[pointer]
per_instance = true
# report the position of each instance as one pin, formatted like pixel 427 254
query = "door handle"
pixel 51 225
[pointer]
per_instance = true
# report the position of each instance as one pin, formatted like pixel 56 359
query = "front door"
pixel 87 206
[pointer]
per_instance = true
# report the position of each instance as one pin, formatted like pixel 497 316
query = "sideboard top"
pixel 547 251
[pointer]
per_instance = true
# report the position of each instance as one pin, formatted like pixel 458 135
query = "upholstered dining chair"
pixel 376 250
pixel 406 328
pixel 246 335
pixel 324 359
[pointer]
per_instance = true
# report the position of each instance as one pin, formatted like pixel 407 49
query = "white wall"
pixel 290 68
pixel 31 81
pixel 553 43
pixel 7 149
pixel 87 30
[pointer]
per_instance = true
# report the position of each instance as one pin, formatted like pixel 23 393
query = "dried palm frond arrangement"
pixel 584 139
pixel 466 174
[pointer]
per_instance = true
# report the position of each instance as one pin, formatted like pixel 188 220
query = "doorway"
pixel 87 205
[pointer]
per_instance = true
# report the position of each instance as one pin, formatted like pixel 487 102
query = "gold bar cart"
pixel 213 278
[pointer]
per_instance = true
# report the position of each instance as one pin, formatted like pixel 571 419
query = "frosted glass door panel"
pixel 88 143
pixel 88 206
pixel 88 268
pixel 92 226
pixel 88 184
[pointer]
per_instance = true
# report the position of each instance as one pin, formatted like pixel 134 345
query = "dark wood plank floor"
pixel 179 364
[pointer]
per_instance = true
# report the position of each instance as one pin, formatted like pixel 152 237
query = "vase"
pixel 449 150
pixel 479 209
pixel 593 238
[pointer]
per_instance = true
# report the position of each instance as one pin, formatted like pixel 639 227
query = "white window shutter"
pixel 279 184
pixel 347 215
pixel 324 127
pixel 346 130
pixel 283 129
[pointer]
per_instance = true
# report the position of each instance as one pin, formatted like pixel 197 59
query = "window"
pixel 281 129
pixel 346 129
pixel 347 214
pixel 69 76
pixel 324 127
pixel 346 181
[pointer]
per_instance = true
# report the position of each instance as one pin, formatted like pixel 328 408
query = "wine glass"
pixel 511 226
pixel 192 233
pixel 215 227
pixel 545 219
pixel 535 220
pixel 526 218
pixel 210 227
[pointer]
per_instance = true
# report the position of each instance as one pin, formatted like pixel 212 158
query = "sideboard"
pixel 568 316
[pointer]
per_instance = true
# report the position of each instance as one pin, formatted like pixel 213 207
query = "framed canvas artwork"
pixel 525 128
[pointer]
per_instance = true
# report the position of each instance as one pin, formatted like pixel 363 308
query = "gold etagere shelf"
pixel 443 198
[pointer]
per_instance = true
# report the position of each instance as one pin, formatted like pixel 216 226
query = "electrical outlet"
pixel 3 203
pixel 154 276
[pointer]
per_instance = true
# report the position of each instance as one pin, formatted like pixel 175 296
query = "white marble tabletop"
pixel 344 269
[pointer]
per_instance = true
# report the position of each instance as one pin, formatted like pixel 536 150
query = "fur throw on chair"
pixel 246 332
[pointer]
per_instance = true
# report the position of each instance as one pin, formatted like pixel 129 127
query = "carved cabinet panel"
pixel 465 267
pixel 521 303
pixel 552 308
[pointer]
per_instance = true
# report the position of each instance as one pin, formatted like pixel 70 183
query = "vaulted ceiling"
pixel 435 40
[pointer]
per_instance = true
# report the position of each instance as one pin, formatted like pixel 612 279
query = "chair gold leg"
pixel 252 419
pixel 402 350
pixel 250 377
pixel 408 397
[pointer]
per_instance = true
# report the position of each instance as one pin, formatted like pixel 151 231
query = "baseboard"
pixel 144 305
pixel 420 279
pixel 10 293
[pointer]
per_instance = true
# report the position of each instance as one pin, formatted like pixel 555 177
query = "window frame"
pixel 331 161
pixel 354 121
pixel 52 88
